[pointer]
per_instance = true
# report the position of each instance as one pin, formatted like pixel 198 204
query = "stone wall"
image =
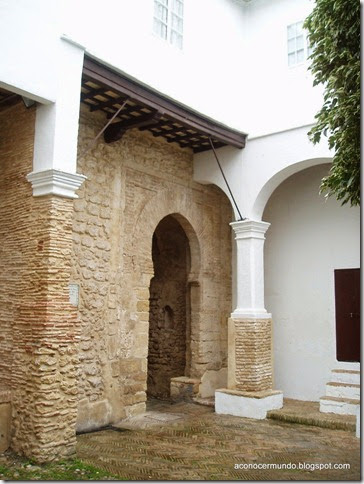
pixel 168 316
pixel 132 185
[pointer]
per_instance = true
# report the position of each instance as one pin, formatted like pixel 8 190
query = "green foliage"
pixel 334 34
pixel 15 468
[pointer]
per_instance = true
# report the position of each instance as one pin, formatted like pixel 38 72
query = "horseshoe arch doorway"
pixel 169 347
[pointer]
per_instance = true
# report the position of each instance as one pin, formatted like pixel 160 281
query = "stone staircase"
pixel 342 392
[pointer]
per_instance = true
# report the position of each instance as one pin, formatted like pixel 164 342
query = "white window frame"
pixel 173 33
pixel 295 32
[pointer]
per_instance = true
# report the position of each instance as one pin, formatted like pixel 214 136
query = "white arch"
pixel 268 188
pixel 254 172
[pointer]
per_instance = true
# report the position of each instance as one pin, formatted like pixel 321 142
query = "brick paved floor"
pixel 190 442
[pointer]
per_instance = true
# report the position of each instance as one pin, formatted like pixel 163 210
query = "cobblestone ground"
pixel 190 442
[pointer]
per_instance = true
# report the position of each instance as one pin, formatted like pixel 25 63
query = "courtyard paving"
pixel 187 441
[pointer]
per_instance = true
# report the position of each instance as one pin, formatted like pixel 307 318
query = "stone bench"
pixel 184 388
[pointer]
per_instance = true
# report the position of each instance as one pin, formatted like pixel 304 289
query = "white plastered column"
pixel 249 393
pixel 56 129
pixel 250 237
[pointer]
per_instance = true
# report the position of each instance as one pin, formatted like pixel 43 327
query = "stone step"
pixel 346 365
pixel 317 419
pixel 343 390
pixel 208 401
pixel 346 376
pixel 308 413
pixel 342 406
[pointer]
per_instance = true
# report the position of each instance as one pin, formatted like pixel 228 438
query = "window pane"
pixel 160 28
pixel 299 42
pixel 177 23
pixel 291 59
pixel 178 7
pixel 300 56
pixel 176 39
pixel 299 28
pixel 291 31
pixel 292 45
pixel 160 12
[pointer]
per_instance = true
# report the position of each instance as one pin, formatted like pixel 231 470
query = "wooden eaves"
pixel 104 89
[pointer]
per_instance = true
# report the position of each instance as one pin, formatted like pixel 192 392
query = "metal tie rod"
pixel 227 184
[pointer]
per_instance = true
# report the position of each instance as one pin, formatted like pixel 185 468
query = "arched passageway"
pixel 169 309
pixel 309 238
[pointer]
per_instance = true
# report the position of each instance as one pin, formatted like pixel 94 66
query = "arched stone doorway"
pixel 208 284
pixel 169 308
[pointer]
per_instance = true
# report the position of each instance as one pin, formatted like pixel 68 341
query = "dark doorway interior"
pixel 347 304
pixel 168 319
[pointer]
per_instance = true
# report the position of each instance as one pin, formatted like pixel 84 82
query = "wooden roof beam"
pixel 115 131
pixel 126 111
pixel 92 92
pixel 108 104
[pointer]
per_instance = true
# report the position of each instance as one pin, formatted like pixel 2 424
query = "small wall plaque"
pixel 74 294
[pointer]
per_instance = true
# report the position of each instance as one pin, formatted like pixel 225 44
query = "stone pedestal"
pixel 249 393
pixel 250 344
pixel 247 404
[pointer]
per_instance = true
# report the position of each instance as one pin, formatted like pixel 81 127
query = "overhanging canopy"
pixel 106 90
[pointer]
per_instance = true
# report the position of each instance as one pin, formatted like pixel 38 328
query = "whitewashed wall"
pixel 277 97
pixel 203 75
pixel 308 238
pixel 233 66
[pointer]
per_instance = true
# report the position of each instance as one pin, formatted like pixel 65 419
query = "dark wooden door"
pixel 347 304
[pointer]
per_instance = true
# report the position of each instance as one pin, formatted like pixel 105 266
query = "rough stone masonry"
pixel 66 367
pixel 131 186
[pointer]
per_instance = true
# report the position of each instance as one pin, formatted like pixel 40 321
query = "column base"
pixel 247 404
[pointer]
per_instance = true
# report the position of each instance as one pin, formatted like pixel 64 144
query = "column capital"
pixel 250 229
pixel 250 236
pixel 55 182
